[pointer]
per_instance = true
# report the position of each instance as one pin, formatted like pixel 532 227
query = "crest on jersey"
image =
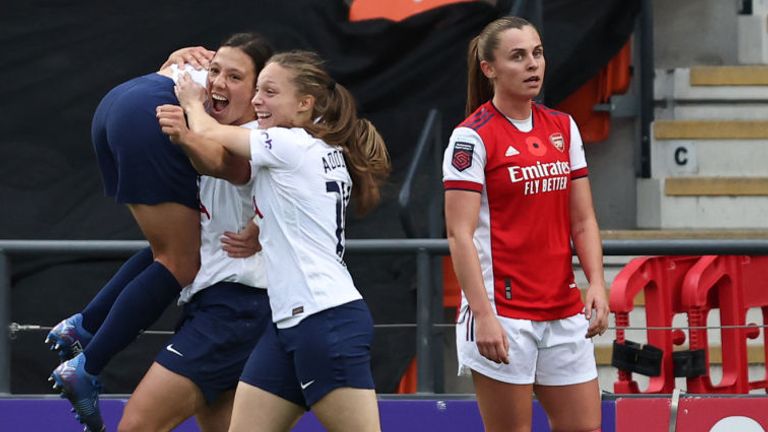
pixel 462 155
pixel 557 140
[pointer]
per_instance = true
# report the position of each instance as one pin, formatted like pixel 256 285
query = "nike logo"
pixel 511 151
pixel 173 350
pixel 307 384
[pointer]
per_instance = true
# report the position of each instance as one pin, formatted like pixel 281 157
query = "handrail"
pixel 646 87
pixel 430 134
pixel 425 274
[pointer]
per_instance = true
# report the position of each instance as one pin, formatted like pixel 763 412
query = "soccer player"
pixel 224 315
pixel 516 195
pixel 311 150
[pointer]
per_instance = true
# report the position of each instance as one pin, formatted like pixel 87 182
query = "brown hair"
pixel 365 153
pixel 253 45
pixel 481 47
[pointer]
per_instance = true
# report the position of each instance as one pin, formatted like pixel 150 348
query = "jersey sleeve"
pixel 278 148
pixel 464 161
pixel 576 153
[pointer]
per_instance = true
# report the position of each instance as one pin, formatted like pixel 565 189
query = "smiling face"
pixel 277 101
pixel 517 68
pixel 231 85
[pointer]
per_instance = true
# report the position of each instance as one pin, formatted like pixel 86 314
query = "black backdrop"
pixel 59 57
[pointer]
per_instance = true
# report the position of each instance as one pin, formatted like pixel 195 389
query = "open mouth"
pixel 533 79
pixel 263 115
pixel 219 102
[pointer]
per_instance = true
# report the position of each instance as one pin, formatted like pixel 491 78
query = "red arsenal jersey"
pixel 523 171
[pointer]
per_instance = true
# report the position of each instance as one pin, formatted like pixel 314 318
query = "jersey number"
pixel 341 191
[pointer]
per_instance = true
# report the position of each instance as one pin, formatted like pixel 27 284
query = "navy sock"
pixel 97 310
pixel 139 305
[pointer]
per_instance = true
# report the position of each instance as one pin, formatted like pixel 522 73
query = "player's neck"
pixel 518 109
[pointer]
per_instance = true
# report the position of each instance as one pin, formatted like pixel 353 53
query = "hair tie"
pixel 332 85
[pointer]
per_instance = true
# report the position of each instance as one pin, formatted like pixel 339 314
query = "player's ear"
pixel 306 103
pixel 488 70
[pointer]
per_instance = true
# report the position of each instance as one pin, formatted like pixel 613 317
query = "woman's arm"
pixel 586 239
pixel 192 98
pixel 198 57
pixel 462 210
pixel 207 156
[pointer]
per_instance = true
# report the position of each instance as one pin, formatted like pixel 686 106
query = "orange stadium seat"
pixel 395 10
pixel 613 79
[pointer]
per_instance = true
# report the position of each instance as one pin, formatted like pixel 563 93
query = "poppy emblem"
pixel 535 146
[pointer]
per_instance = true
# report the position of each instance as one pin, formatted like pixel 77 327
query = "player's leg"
pixel 73 334
pixel 504 391
pixel 503 407
pixel 349 409
pixel 572 408
pixel 162 400
pixel 566 377
pixel 333 364
pixel 268 397
pixel 257 410
pixel 217 416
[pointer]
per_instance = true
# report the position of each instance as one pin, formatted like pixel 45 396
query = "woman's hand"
pixel 242 244
pixel 491 339
pixel 189 92
pixel 172 122
pixel 596 310
pixel 198 57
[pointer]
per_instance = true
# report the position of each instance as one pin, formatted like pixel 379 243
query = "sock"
pixel 139 305
pixel 97 310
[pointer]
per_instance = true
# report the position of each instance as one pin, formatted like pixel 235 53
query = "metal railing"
pixel 423 249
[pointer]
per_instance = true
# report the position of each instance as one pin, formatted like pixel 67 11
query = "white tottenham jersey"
pixel 198 76
pixel 302 191
pixel 225 207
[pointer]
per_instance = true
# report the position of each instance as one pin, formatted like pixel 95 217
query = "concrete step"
pixel 710 129
pixel 721 84
pixel 709 158
pixel 702 203
pixel 718 76
pixel 734 110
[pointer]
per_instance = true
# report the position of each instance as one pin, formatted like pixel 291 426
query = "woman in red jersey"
pixel 516 195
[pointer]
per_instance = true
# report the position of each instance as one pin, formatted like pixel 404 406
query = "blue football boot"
pixel 69 338
pixel 82 389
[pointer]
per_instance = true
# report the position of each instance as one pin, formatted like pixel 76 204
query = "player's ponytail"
pixel 336 123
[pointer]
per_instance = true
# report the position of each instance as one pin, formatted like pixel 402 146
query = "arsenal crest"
pixel 462 155
pixel 557 140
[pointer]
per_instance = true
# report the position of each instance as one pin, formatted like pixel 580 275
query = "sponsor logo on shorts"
pixel 306 384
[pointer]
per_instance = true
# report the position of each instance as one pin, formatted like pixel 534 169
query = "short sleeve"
pixel 464 161
pixel 576 153
pixel 279 148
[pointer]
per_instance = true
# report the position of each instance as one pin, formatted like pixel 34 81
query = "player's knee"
pixel 183 269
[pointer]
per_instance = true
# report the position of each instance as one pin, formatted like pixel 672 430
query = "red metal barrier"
pixel 660 278
pixel 732 284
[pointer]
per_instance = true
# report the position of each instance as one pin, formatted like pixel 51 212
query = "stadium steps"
pixel 709 150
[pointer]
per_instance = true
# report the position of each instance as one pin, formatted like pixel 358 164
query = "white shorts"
pixel 548 353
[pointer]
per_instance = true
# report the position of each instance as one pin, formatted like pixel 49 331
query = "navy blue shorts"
pixel 325 351
pixel 217 332
pixel 138 163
